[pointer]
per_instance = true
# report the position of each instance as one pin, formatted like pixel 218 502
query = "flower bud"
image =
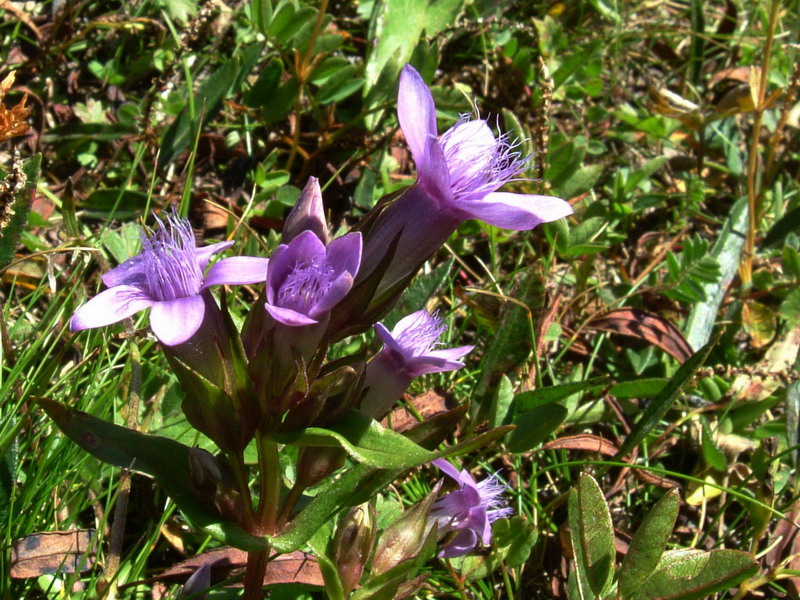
pixel 406 537
pixel 307 214
pixel 353 543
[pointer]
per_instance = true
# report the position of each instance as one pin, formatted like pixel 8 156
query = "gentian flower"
pixel 305 280
pixel 168 276
pixel 459 175
pixel 408 352
pixel 468 511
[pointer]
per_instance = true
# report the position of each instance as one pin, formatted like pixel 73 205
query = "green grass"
pixel 147 105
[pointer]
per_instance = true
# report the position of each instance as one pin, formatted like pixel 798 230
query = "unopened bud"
pixel 404 538
pixel 352 545
pixel 315 463
pixel 307 214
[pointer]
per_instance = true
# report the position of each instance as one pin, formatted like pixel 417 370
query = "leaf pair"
pixel 649 571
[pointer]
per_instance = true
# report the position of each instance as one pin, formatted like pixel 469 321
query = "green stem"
pixel 269 478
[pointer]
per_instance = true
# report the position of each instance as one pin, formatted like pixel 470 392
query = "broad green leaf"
pixel 638 388
pixel 527 401
pixel 365 440
pixel 501 402
pixel 788 223
pixel 397 26
pixel 648 544
pixel 690 574
pixel 261 14
pixel 726 251
pixel 164 459
pixel 343 490
pixel 662 403
pixel 535 426
pixel 592 534
pixel 516 537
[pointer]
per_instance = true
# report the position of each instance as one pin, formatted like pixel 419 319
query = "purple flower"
pixel 468 511
pixel 168 277
pixel 305 280
pixel 408 352
pixel 459 175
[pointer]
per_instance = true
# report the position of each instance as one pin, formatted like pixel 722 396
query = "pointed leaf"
pixel 535 426
pixel 648 544
pixel 365 440
pixel 164 459
pixel 662 403
pixel 689 574
pixel 592 534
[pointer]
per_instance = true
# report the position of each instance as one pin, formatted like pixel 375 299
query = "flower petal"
pixel 335 294
pixel 128 273
pixel 110 306
pixel 451 353
pixel 175 321
pixel 418 366
pixel 307 214
pixel 434 175
pixel 388 338
pixel 516 211
pixel 344 253
pixel 448 469
pixel 471 145
pixel 289 317
pixel 205 253
pixel 460 545
pixel 416 113
pixel 237 270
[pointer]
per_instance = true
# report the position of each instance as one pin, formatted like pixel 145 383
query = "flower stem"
pixel 269 478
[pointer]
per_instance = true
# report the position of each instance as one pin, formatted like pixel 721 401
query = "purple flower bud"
pixel 468 511
pixel 459 175
pixel 305 280
pixel 168 277
pixel 408 352
pixel 307 214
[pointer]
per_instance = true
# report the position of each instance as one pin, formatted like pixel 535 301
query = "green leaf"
pixel 788 223
pixel 365 440
pixel 207 103
pixel 516 537
pixel 663 402
pixel 501 402
pixel 397 26
pixel 164 459
pixel 727 250
pixel 689 574
pixel 527 401
pixel 638 388
pixel 261 14
pixel 713 456
pixel 98 132
pixel 648 544
pixel 592 534
pixel 535 426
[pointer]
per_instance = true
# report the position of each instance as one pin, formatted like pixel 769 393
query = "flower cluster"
pixel 272 380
